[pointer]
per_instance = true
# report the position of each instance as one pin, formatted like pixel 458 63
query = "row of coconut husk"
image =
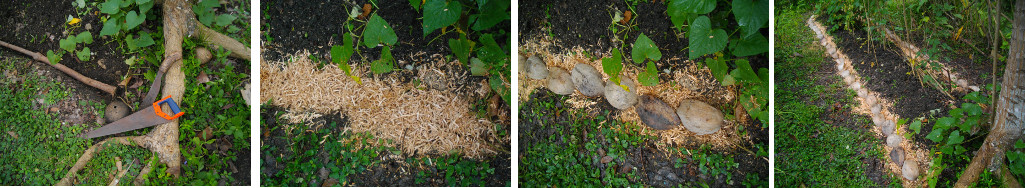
pixel 912 53
pixel 695 116
pixel 906 160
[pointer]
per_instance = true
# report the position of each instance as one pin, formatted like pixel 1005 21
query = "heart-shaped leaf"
pixel 691 6
pixel 84 54
pixel 461 48
pixel 751 15
pixel 955 138
pixel 492 12
pixel 744 72
pixel 67 44
pixel 718 68
pixel 110 7
pixel 224 19
pixel 144 40
pixel 378 31
pixel 132 20
pixel 53 58
pixel 644 48
pixel 916 126
pixel 705 40
pixel 650 76
pixel 936 135
pixel 110 27
pixel 383 65
pixel 944 123
pixel 613 65
pixel 341 54
pixel 478 68
pixel 751 45
pixel 85 37
pixel 440 13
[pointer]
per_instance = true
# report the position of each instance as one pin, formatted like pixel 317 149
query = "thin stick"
pixel 40 57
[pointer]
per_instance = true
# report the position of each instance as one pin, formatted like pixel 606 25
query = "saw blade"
pixel 143 118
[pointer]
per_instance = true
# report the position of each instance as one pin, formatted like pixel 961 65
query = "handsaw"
pixel 147 117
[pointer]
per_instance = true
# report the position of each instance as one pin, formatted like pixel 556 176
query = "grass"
pixel 563 159
pixel 811 152
pixel 35 147
pixel 347 156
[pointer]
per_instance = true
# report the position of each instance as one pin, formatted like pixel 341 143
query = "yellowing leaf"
pixel 74 21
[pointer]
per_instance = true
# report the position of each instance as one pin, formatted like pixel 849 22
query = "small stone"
pixel 849 79
pixel 856 86
pixel 537 69
pixel 888 127
pixel 910 170
pixel 88 26
pixel 839 65
pixel 871 100
pixel 897 156
pixel 619 98
pixel 831 51
pixel 522 60
pixel 862 92
pixel 974 88
pixel 656 114
pixel 559 81
pixel 699 117
pixel 875 109
pixel 877 120
pixel 962 83
pixel 587 80
pixel 893 140
pixel 409 67
pixel 323 173
pixel 116 110
pixel 845 74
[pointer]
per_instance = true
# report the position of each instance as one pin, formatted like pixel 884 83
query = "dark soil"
pixel 586 24
pixel 655 167
pixel 39 25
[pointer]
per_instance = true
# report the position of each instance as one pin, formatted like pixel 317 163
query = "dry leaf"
pixel 202 78
pixel 626 17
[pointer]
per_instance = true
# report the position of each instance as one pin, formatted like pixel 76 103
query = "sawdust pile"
pixel 418 121
pixel 686 81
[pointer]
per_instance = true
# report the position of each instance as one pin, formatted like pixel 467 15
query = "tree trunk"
pixel 1010 107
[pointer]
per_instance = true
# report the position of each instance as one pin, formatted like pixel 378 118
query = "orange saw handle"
pixel 170 103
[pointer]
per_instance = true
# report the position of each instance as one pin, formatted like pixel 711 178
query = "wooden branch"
pixel 209 35
pixel 88 155
pixel 40 57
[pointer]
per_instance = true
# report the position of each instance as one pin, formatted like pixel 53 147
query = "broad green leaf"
pixel 133 20
pixel 378 31
pixel 224 19
pixel 691 6
pixel 492 12
pixel 751 45
pixel 341 54
pixel 916 126
pixel 110 27
pixel 130 41
pixel 650 76
pixel 644 48
pixel 440 13
pixel 53 58
pixel 751 15
pixel 67 44
pixel 705 40
pixel 144 40
pixel 613 65
pixel 956 113
pixel 80 3
pixel 478 68
pixel 944 123
pixel 718 68
pixel 679 17
pixel 1019 144
pixel 498 85
pixel 490 51
pixel 384 64
pixel 415 4
pixel 972 109
pixel 145 7
pixel 85 37
pixel 110 7
pixel 936 135
pixel 139 2
pixel 744 72
pixel 955 138
pixel 461 48
pixel 84 54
